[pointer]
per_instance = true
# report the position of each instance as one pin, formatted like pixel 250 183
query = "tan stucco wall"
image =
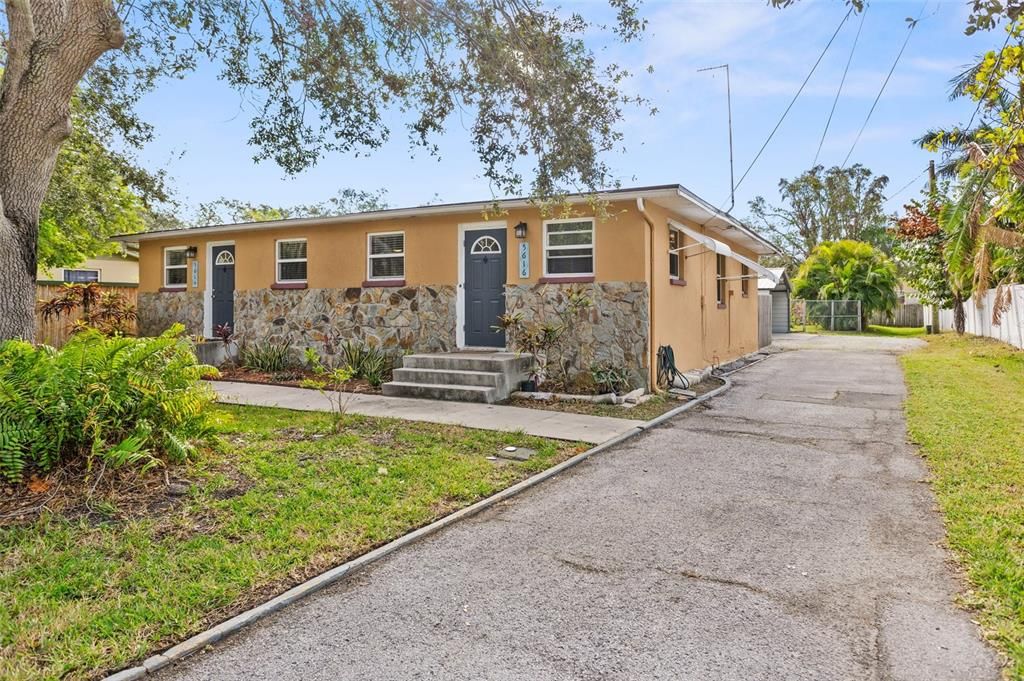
pixel 113 269
pixel 337 253
pixel 687 317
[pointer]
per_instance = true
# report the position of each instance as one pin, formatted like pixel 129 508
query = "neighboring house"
pixel 778 287
pixel 664 268
pixel 105 269
pixel 908 295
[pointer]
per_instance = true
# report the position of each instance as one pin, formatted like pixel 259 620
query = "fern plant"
pixel 117 401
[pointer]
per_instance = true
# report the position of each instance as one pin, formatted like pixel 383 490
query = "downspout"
pixel 652 353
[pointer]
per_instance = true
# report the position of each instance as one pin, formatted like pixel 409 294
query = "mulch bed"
pixel 292 378
pixel 110 497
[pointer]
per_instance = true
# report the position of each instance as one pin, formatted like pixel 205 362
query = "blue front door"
pixel 223 296
pixel 484 287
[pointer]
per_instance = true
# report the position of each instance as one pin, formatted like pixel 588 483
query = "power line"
pixel 839 92
pixel 907 185
pixel 795 97
pixel 910 32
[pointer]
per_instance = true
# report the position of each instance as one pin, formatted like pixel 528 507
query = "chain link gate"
pixel 831 315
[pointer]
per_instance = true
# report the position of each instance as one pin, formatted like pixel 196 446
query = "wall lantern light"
pixel 191 252
pixel 521 230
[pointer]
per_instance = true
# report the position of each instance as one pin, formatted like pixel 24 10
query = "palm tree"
pixel 954 143
pixel 849 270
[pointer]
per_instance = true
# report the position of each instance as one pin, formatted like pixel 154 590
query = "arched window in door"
pixel 485 244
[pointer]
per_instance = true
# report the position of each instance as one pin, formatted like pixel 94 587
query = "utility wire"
pixel 839 92
pixel 907 185
pixel 910 32
pixel 795 97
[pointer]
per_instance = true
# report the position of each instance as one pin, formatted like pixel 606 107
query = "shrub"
pixel 265 357
pixel 610 378
pixel 366 362
pixel 849 270
pixel 109 312
pixel 329 382
pixel 116 400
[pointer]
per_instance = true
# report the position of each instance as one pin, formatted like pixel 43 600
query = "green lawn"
pixel 283 500
pixel 872 330
pixel 966 411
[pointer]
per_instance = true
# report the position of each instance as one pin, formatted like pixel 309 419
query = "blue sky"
pixel 202 126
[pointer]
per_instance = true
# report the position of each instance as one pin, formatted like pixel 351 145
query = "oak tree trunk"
pixel 50 46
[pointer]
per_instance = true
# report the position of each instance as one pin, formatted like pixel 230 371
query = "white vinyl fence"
pixel 978 318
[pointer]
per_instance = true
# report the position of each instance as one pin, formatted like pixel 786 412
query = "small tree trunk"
pixel 959 316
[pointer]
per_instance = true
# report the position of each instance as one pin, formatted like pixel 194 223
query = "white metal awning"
pixel 716 246
pixel 710 243
pixel 762 271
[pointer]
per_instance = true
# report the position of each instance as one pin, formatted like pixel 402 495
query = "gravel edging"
pixel 227 627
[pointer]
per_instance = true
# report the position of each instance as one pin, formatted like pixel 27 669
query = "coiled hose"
pixel 667 371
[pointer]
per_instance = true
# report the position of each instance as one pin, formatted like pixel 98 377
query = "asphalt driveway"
pixel 783 533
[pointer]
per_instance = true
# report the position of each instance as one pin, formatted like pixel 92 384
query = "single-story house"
pixel 115 270
pixel 660 265
pixel 778 287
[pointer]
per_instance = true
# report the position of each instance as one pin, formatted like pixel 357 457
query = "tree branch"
pixel 21 25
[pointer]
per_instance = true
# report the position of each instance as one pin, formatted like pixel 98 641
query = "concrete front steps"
pixel 461 376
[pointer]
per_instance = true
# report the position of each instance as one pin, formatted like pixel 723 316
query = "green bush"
pixel 116 401
pixel 366 362
pixel 266 357
pixel 610 378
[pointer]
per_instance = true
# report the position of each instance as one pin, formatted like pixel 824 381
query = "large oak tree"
pixel 318 76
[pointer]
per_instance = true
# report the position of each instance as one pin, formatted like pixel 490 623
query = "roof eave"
pixel 715 213
pixel 394 214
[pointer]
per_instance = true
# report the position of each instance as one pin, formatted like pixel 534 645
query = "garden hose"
pixel 667 371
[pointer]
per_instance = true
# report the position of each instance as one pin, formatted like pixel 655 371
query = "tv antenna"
pixel 728 96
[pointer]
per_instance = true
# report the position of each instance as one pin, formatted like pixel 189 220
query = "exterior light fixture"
pixel 521 230
pixel 191 252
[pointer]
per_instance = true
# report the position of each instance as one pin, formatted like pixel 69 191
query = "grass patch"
pixel 872 330
pixel 87 595
pixel 966 411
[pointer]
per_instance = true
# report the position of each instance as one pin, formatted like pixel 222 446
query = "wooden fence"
pixel 55 330
pixel 905 315
pixel 764 319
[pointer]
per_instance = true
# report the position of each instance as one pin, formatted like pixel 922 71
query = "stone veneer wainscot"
pixel 158 311
pixel 413 318
pixel 613 329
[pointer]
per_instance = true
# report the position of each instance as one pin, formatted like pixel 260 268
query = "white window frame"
pixel 81 269
pixel 278 260
pixel 370 257
pixel 168 249
pixel 593 248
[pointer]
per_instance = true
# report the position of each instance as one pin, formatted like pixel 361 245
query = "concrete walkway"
pixel 783 533
pixel 553 424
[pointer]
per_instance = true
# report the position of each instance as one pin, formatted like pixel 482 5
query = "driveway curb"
pixel 199 641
